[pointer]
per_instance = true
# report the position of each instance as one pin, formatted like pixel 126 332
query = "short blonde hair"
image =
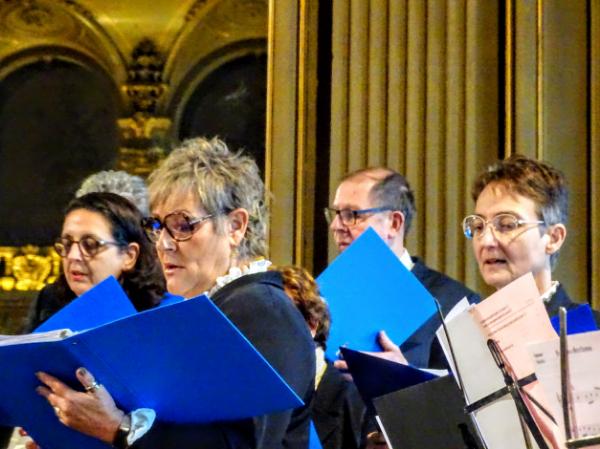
pixel 222 181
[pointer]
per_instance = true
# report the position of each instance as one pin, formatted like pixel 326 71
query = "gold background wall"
pixel 438 89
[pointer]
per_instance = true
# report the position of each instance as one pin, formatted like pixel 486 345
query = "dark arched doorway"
pixel 57 125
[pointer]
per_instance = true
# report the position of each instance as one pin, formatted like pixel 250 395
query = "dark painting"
pixel 231 103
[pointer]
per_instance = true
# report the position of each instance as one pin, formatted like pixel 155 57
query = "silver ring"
pixel 92 388
pixel 57 411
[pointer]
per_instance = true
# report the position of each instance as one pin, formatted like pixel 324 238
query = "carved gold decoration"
pixel 35 18
pixel 227 22
pixel 194 9
pixel 27 268
pixel 144 77
pixel 143 127
pixel 140 132
pixel 139 162
pixel 30 269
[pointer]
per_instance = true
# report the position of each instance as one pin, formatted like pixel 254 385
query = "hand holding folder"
pixel 368 289
pixel 375 376
pixel 169 359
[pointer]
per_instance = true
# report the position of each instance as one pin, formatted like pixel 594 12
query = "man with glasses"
pixel 382 199
pixel 519 225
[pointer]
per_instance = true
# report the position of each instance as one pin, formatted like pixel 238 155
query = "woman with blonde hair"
pixel 209 225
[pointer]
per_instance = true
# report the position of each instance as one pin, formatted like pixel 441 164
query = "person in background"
pixel 520 225
pixel 337 410
pixel 120 182
pixel 382 199
pixel 55 296
pixel 102 235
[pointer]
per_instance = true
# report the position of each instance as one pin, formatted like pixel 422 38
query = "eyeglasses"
pixel 475 226
pixel 349 217
pixel 180 226
pixel 88 245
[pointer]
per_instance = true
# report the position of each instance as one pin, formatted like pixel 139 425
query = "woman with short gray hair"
pixel 209 225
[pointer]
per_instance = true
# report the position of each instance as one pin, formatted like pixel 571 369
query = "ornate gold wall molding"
pixel 152 55
pixel 214 33
pixel 54 25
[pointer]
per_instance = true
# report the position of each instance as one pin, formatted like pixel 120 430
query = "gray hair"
pixel 390 190
pixel 122 183
pixel 222 181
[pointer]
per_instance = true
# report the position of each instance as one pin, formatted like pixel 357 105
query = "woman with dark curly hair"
pixel 101 236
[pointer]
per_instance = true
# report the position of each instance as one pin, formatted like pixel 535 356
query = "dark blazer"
pixel 339 413
pixel 561 299
pixel 260 308
pixel 50 300
pixel 422 348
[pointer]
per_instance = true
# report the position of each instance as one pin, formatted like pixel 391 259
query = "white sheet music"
pixel 512 316
pixel 584 373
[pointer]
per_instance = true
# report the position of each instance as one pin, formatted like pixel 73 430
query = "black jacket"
pixel 562 299
pixel 50 300
pixel 259 307
pixel 422 348
pixel 339 413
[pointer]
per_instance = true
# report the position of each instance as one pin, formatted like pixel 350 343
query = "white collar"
pixel 406 260
pixel 256 266
pixel 548 294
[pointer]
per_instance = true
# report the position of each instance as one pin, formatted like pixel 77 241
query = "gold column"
pixel 565 129
pixel 482 95
pixel 508 77
pixel 594 61
pixel 539 78
pixel 433 175
pixel 358 111
pixel 340 76
pixel 280 128
pixel 455 138
pixel 290 147
pixel 416 98
pixel 377 83
pixel 525 73
pixel 396 88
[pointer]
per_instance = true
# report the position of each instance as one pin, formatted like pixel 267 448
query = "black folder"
pixel 429 415
pixel 374 376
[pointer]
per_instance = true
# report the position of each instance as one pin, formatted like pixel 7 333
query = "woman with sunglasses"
pixel 102 236
pixel 209 224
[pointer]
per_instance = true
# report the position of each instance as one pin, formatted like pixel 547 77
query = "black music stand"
pixel 514 388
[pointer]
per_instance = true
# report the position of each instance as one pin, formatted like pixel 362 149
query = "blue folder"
pixel 368 289
pixel 313 438
pixel 376 377
pixel 579 319
pixel 103 303
pixel 187 361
